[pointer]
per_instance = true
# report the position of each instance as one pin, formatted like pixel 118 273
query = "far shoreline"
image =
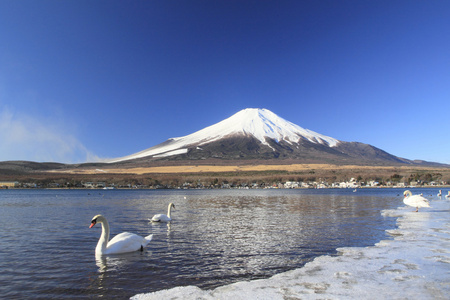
pixel 199 176
pixel 181 189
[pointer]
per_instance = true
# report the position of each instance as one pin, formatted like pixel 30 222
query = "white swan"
pixel 440 193
pixel 448 195
pixel 415 201
pixel 121 243
pixel 163 217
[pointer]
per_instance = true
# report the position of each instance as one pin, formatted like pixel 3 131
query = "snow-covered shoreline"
pixel 415 264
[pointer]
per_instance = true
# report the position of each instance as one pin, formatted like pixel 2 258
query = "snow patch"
pixel 174 152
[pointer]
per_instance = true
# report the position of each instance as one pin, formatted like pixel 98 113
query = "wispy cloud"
pixel 26 137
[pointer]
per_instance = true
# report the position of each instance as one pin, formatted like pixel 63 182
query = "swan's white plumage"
pixel 415 200
pixel 121 243
pixel 126 242
pixel 163 217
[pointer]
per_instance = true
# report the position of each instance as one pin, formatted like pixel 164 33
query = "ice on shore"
pixel 415 264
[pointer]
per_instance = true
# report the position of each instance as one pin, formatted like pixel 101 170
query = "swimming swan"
pixel 121 243
pixel 415 201
pixel 163 217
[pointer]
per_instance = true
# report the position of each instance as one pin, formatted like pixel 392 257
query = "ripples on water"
pixel 217 237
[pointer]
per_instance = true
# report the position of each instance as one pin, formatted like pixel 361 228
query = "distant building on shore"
pixel 9 184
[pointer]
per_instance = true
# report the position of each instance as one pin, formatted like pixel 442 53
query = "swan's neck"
pixel 168 210
pixel 103 241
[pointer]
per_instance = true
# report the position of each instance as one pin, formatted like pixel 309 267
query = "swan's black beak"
pixel 93 223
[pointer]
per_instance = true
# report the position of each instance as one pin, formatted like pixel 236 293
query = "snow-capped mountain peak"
pixel 259 123
pixel 262 123
pixel 251 122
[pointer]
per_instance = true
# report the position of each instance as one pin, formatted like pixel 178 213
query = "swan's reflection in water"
pixel 108 263
pixel 101 263
pixel 161 227
pixel 99 282
pixel 104 265
pixel 115 268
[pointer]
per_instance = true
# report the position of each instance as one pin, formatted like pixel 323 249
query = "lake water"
pixel 216 237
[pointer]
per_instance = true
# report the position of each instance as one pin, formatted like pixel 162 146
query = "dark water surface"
pixel 216 237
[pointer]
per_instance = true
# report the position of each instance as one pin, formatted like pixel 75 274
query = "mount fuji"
pixel 259 134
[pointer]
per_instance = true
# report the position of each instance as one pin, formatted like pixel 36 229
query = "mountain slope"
pixel 260 124
pixel 255 134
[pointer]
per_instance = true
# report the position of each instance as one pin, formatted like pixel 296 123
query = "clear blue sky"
pixel 81 80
